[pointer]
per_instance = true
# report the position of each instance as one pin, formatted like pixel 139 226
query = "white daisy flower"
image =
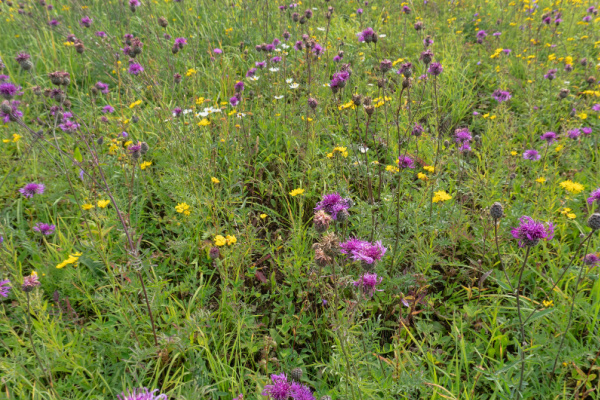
pixel 273 69
pixel 278 97
pixel 284 46
pixel 294 86
pixel 321 29
pixel 363 149
pixel 289 80
pixel 254 78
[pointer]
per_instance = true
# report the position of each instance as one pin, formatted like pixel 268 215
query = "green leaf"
pixel 77 155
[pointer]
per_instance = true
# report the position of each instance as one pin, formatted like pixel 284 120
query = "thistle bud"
pixel 357 99
pixel 144 148
pixel 321 221
pixel 312 103
pixel 296 374
pixel 594 221
pixel 162 21
pixel 100 140
pixel 369 110
pixel 563 93
pixel 214 253
pixel 496 211
pixel 385 66
pixel 591 80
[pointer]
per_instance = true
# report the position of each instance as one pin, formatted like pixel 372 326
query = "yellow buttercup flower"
pixel 263 216
pixel 135 104
pixel 191 72
pixel 103 203
pixel 422 176
pixel 215 180
pixel 440 196
pixel 220 241
pixel 87 206
pixel 204 122
pixel 296 192
pixel 541 179
pixel 429 168
pixel 572 187
pixel 145 164
pixel 571 216
pixel 392 168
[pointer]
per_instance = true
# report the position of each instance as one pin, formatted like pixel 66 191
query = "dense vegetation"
pixel 245 199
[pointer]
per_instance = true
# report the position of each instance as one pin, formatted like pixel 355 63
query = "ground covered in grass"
pixel 251 199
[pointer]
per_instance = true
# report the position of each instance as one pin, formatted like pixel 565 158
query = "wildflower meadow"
pixel 321 200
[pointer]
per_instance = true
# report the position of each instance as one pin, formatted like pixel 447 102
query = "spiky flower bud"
pixel 591 80
pixel 214 253
pixel 563 93
pixel 312 103
pixel 144 148
pixel 100 140
pixel 497 211
pixel 79 47
pixel 385 66
pixel 162 21
pixel 321 221
pixel 357 99
pixel 296 374
pixel 135 119
pixel 369 110
pixel 5 107
pixel 594 221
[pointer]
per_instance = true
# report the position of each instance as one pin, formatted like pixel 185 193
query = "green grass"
pixel 445 322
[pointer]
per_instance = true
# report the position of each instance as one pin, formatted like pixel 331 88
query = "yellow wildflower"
pixel 103 203
pixel 541 179
pixel 73 258
pixel 220 241
pixel 571 216
pixel 204 122
pixel 422 176
pixel 215 180
pixel 190 72
pixel 183 208
pixel 145 164
pixel 87 206
pixel 429 168
pixel 392 168
pixel 572 187
pixel 135 104
pixel 263 216
pixel 200 100
pixel 296 192
pixel 231 239
pixel 548 303
pixel 441 195
pixel 16 137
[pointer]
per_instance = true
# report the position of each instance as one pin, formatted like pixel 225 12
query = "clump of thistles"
pixel 368 283
pixel 142 394
pixel 530 232
pixel 282 389
pixel 360 250
pixel 334 205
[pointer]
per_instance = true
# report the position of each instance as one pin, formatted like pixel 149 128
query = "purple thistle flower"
pixel 135 69
pixel 530 232
pixel 14 114
pixel 276 42
pixel 586 130
pixel 363 251
pixel 218 51
pixel 596 107
pixel 69 126
pixel 108 109
pixel 417 130
pixel 4 78
pixel 337 58
pixel 180 42
pixel 101 34
pixel 406 69
pixel 587 18
pixel 300 392
pixel 4 288
pixel 234 101
pixel 279 389
pixel 276 59
pixel 177 111
pixel 435 69
pixel 462 135
pixel 134 3
pixel 135 148
pixel 30 282
pixel 574 133
pixel 142 394
pixel 532 155
pixel 367 36
pixel 239 86
pixel 501 95
pixel 481 34
pixel 496 34
pixel 333 204
pixel 103 87
pixel 406 162
pixel 428 41
pixel 506 51
pixel 594 197
pixel 53 22
pixel 551 74
pixel 32 189
pixel 465 147
pixel 260 64
pixel 359 11
pixel 549 137
pixel 44 229
pixel 8 90
pixel 591 260
pixel 317 49
pixel 251 72
pixel 22 57
pixel 86 22
pixel 368 283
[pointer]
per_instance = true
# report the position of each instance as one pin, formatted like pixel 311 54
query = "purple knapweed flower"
pixel 363 251
pixel 317 49
pixel 587 18
pixel 417 130
pixel 300 392
pixel 101 34
pixel 4 78
pixel 333 204
pixel 367 36
pixel 496 34
pixel 53 22
pixel 530 232
pixel 108 109
pixel 368 283
pixel 239 87
pixel 251 72
pixel 551 74
pixel 260 64
pixel 135 69
pixel 594 197
pixel 69 126
pixel 180 42
pixel 586 130
pixel 279 388
pixel 532 155
pixel 406 162
pixel 14 113
pixel 276 59
pixel 103 87
pixel 134 3
pixel 44 229
pixel 218 51
pixel 591 260
pixel 465 147
pixel 435 69
pixel 506 51
pixel 501 95
pixel 549 137
pixel 31 189
pixel 359 11
pixel 462 135
pixel 8 90
pixel 177 111
pixel 234 101
pixel 86 22
pixel 481 34
pixel 141 394
pixel 574 133
pixel 5 288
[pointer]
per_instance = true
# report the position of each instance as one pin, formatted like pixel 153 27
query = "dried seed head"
pixel 330 244
pixel 357 99
pixel 369 110
pixel 162 21
pixel 321 221
pixel 497 210
pixel 214 253
pixel 321 259
pixel 563 93
pixel 312 103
